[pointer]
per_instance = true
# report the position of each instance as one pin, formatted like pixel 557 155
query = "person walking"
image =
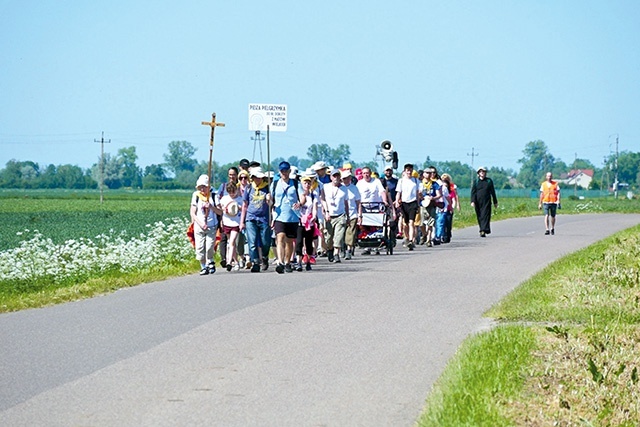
pixel 336 207
pixel 204 214
pixel 286 216
pixel 231 214
pixel 255 220
pixel 482 194
pixel 550 200
pixel 307 228
pixel 407 199
pixel 232 175
pixel 452 206
pixel 373 195
pixel 354 213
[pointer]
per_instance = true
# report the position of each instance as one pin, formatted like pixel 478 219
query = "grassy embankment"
pixel 565 351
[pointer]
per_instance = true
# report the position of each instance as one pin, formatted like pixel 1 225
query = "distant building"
pixel 577 177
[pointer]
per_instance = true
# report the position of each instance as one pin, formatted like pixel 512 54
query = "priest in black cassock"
pixel 482 194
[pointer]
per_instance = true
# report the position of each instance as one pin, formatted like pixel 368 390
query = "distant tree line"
pixel 181 169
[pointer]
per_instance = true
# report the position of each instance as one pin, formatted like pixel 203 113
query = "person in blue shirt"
pixel 286 216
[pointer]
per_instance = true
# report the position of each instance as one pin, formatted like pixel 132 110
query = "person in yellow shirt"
pixel 550 200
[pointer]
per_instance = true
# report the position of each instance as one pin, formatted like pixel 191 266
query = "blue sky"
pixel 437 78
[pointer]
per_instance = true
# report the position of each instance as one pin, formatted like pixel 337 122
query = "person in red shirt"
pixel 550 200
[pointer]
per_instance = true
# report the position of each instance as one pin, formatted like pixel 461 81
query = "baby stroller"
pixel 374 232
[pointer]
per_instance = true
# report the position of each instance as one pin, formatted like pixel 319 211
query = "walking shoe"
pixel 265 264
pixel 312 259
pixel 336 259
pixel 330 256
pixel 287 267
pixel 410 246
pixel 429 244
pixel 211 267
pixel 280 268
pixel 308 267
pixel 348 255
pixel 236 267
pixel 553 231
pixel 204 271
pixel 248 265
pixel 255 268
pixel 546 232
pixel 436 242
pixel 223 263
pixel 367 251
pixel 305 258
pixel 483 234
pixel 299 267
pixel 229 267
pixel 241 263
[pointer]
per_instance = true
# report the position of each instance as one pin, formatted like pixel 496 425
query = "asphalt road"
pixel 352 344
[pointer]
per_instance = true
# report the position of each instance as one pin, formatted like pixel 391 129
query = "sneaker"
pixel 265 264
pixel 336 259
pixel 280 268
pixel 204 271
pixel 255 268
pixel 312 259
pixel 436 242
pixel 546 232
pixel 299 267
pixel 367 251
pixel 305 258
pixel 308 267
pixel 223 263
pixel 211 267
pixel 241 263
pixel 483 234
pixel 229 267
pixel 410 246
pixel 553 231
pixel 429 244
pixel 330 256
pixel 249 265
pixel 236 267
pixel 348 255
pixel 287 267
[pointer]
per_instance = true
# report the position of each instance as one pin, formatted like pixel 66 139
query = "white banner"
pixel 272 115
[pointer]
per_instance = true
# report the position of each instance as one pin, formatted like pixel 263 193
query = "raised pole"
pixel 213 125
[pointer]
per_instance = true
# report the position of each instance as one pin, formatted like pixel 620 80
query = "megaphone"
pixel 386 150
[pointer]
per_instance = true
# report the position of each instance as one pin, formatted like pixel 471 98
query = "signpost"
pixel 269 117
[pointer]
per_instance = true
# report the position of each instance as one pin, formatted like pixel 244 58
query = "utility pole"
pixel 473 155
pixel 615 180
pixel 575 181
pixel 102 142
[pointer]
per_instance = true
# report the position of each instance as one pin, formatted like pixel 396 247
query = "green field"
pixel 62 215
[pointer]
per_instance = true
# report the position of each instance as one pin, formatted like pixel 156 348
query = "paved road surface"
pixel 359 343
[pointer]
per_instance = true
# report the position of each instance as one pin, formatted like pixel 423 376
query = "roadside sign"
pixel 272 115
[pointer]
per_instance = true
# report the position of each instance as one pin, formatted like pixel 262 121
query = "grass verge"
pixel 579 323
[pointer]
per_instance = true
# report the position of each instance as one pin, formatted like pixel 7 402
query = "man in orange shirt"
pixel 550 199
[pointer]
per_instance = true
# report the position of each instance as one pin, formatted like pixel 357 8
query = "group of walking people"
pixel 318 212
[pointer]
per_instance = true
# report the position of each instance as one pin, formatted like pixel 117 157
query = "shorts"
pixel 409 210
pixel 550 209
pixel 290 229
pixel 227 229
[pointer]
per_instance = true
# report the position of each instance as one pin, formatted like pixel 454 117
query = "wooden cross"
pixel 213 125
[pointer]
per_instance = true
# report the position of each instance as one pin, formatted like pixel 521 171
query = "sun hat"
pixel 481 168
pixel 345 173
pixel 294 172
pixel 388 168
pixel 283 166
pixel 347 165
pixel 232 209
pixel 202 180
pixel 256 172
pixel 319 165
pixel 335 172
pixel 253 164
pixel 309 174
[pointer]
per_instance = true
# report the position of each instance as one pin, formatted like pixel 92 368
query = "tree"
pixel 536 162
pixel 180 157
pixel 111 173
pixel 333 157
pixel 70 176
pixel 628 165
pixel 131 173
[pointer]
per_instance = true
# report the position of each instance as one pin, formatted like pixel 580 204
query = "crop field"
pixel 62 215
